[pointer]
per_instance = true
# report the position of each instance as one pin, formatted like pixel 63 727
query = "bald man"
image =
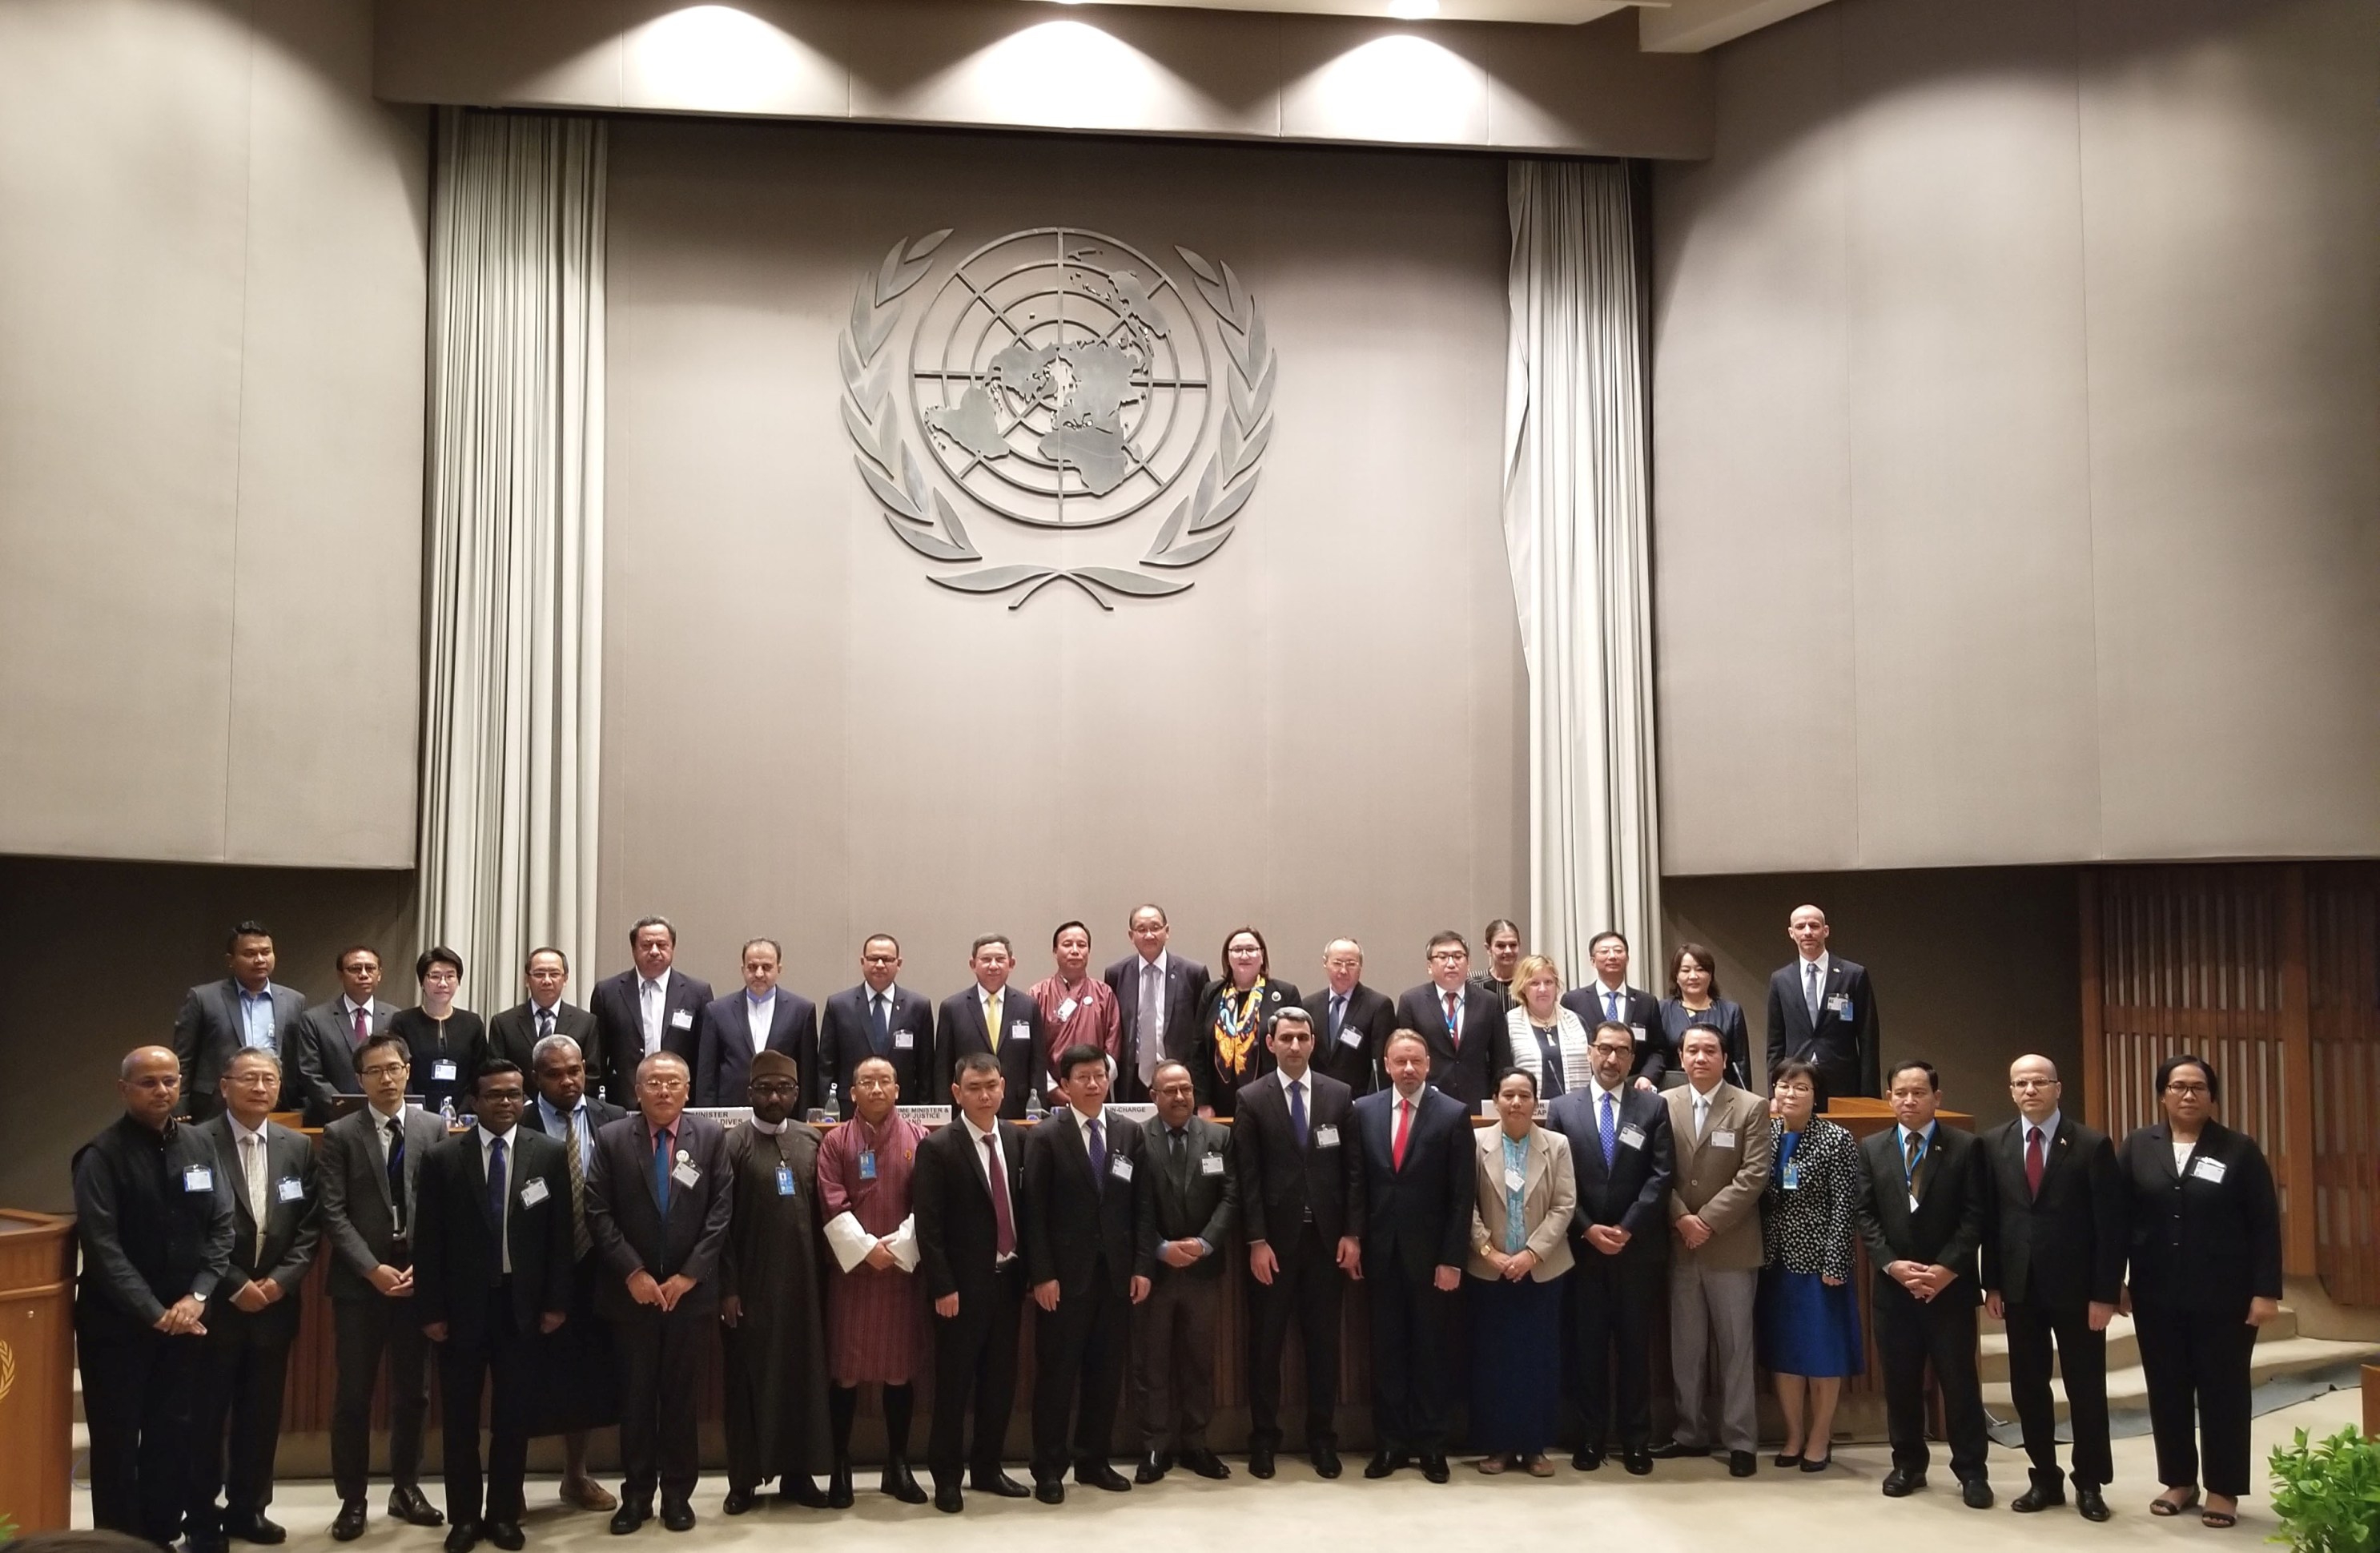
pixel 156 1228
pixel 1822 1011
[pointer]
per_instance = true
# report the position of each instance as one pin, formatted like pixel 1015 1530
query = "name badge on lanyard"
pixel 867 1164
pixel 785 1181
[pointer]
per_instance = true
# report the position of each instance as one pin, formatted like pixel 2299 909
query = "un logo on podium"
pixel 1057 379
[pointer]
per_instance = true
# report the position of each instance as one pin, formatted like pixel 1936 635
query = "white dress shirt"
pixel 760 1016
pixel 256 1168
pixel 652 997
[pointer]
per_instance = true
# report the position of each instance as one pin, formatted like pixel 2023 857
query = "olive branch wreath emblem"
pixel 923 517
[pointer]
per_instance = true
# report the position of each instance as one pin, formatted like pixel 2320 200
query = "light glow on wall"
pixel 1073 75
pixel 720 59
pixel 1395 88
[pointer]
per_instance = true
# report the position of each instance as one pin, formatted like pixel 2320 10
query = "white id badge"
pixel 198 1178
pixel 289 1189
pixel 1722 1140
pixel 1636 1033
pixel 1020 1030
pixel 442 1070
pixel 2208 1171
pixel 682 1019
pixel 1632 1137
pixel 1351 1036
pixel 686 1174
pixel 1512 1181
pixel 1326 1137
pixel 1120 1166
pixel 904 1040
pixel 533 1191
pixel 1066 1009
pixel 1210 1164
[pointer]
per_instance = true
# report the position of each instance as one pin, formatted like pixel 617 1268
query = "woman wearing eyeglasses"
pixel 1227 1044
pixel 2205 1274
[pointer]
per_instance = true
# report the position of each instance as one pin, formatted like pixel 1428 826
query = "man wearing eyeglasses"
pixel 878 1018
pixel 1463 1024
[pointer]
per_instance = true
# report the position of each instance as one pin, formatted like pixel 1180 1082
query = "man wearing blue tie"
pixel 1608 999
pixel 1620 1148
pixel 876 1018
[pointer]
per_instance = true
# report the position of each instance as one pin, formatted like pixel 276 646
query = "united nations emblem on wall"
pixel 1056 379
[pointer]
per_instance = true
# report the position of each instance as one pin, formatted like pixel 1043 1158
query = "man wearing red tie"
pixel 1463 1024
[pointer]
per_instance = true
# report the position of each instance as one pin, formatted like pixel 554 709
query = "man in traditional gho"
pixel 875 1310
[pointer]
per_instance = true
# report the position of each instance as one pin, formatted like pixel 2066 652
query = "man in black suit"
pixel 1088 1249
pixel 1418 1196
pixel 513 1035
pixel 322 1046
pixel 1157 1002
pixel 876 1018
pixel 650 1007
pixel 1352 1023
pixel 492 1259
pixel 369 1170
pixel 966 1191
pixel 760 1016
pixel 992 1017
pixel 2053 1266
pixel 1302 1202
pixel 252 1315
pixel 1463 1024
pixel 1822 1011
pixel 579 1382
pixel 248 1008
pixel 1194 1201
pixel 1921 1217
pixel 1624 1154
pixel 656 1205
pixel 1609 1000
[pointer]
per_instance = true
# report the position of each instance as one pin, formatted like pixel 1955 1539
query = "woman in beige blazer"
pixel 1520 1252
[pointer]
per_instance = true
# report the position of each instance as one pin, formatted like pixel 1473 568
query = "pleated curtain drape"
pixel 1577 531
pixel 512 703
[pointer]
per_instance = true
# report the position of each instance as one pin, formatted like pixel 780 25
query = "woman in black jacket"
pixel 2205 1274
pixel 1227 1042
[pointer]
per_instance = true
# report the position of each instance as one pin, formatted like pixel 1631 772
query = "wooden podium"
pixel 36 1260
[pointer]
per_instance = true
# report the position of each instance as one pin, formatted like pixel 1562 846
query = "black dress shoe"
pixel 350 1523
pixel 1638 1462
pixel 2088 1501
pixel 800 1488
pixel 1050 1490
pixel 677 1515
pixel 507 1534
pixel 1975 1493
pixel 1899 1483
pixel 1260 1462
pixel 256 1529
pixel 1000 1486
pixel 463 1536
pixel 407 1505
pixel 901 1483
pixel 1326 1461
pixel 1742 1463
pixel 948 1500
pixel 1820 1463
pixel 1670 1450
pixel 1787 1461
pixel 1384 1463
pixel 740 1502
pixel 1588 1458
pixel 1433 1467
pixel 1100 1475
pixel 2037 1498
pixel 838 1485
pixel 1205 1463
pixel 632 1513
pixel 1151 1469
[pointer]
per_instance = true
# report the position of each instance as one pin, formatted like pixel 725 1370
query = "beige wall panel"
pixel 327 653
pixel 1753 582
pixel 489 53
pixel 842 747
pixel 1589 90
pixel 2232 251
pixel 123 149
pixel 1969 494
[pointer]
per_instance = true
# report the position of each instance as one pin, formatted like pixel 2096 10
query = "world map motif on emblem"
pixel 1061 379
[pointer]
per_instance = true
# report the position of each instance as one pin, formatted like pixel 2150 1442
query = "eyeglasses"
pixel 2185 1088
pixel 773 1086
pixel 2032 1083
pixel 385 1070
pixel 1450 954
pixel 665 1085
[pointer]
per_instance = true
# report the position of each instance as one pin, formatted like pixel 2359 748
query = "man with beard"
pixel 873 1313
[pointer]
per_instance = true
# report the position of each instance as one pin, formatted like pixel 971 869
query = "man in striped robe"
pixel 875 1308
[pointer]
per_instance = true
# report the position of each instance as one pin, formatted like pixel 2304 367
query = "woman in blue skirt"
pixel 1520 1250
pixel 1809 1332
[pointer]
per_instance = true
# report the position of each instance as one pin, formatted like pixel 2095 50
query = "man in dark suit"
pixel 322 1046
pixel 252 1315
pixel 513 1035
pixel 650 1007
pixel 1822 1011
pixel 966 1192
pixel 1157 1002
pixel 992 1017
pixel 1621 1150
pixel 1193 1202
pixel 578 1379
pixel 369 1170
pixel 1609 1000
pixel 656 1207
pixel 876 1018
pixel 1089 1248
pixel 1463 1024
pixel 1352 1023
pixel 761 1017
pixel 492 1260
pixel 2053 1266
pixel 248 1008
pixel 1921 1217
pixel 1302 1202
pixel 1418 1196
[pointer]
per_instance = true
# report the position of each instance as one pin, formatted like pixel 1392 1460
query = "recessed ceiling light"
pixel 1412 10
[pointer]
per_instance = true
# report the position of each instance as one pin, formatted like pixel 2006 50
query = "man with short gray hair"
pixel 651 1006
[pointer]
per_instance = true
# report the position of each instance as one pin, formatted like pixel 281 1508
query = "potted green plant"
pixel 2327 1495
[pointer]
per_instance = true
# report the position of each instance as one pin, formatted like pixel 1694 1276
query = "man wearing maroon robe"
pixel 875 1312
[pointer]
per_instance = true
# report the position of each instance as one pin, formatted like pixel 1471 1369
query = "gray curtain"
pixel 1576 528
pixel 513 687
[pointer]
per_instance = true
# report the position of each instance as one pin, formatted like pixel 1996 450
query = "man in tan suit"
pixel 1724 1151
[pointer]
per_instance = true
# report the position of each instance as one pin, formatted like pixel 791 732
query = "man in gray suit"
pixel 1197 1202
pixel 370 1162
pixel 322 1044
pixel 248 1008
pixel 1721 1134
pixel 252 1315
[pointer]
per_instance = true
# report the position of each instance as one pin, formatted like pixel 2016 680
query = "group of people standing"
pixel 567 1255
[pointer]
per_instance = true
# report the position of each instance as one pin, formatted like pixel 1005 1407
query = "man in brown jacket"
pixel 1723 1151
